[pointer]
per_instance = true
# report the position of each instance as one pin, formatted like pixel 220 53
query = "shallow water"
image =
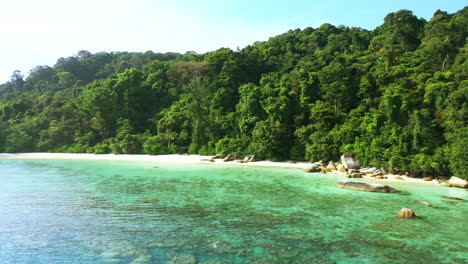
pixel 142 212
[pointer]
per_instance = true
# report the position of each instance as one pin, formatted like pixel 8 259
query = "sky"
pixel 37 32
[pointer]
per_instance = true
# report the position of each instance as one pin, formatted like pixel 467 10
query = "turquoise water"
pixel 141 212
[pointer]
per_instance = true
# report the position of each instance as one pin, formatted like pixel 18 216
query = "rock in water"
pixel 365 187
pixel 458 182
pixel 423 203
pixel 311 168
pixel 406 213
pixel 349 161
pixel 453 198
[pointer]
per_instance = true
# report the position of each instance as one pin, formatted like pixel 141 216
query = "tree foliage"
pixel 395 96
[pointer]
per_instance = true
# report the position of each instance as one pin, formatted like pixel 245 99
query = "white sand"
pixel 173 158
pixel 188 159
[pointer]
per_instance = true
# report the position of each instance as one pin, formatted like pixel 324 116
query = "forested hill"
pixel 396 97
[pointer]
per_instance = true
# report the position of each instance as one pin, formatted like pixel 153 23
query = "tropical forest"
pixel 396 97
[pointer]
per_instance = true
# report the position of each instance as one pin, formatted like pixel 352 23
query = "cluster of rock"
pixel 350 166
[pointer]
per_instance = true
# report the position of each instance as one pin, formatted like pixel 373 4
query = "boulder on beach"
pixel 365 187
pixel 341 168
pixel 368 170
pixel 349 161
pixel 311 168
pixel 406 213
pixel 331 166
pixel 458 182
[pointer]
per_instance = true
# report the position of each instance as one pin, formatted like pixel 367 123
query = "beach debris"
pixel 311 168
pixel 355 175
pixel 365 187
pixel 349 161
pixel 217 156
pixel 292 162
pixel 458 182
pixel 229 157
pixel 398 178
pixel 427 179
pixel 252 158
pixel 406 213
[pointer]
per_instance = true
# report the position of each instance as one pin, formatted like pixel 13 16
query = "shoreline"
pixel 196 159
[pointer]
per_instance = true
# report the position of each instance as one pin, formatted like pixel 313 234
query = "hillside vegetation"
pixel 395 96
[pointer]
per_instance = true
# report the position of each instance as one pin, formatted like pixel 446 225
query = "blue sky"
pixel 39 32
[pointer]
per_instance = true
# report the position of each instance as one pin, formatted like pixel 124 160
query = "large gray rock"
pixel 458 182
pixel 349 161
pixel 365 187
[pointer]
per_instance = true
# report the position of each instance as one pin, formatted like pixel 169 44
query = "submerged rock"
pixel 183 259
pixel 458 182
pixel 349 161
pixel 365 187
pixel 423 203
pixel 453 198
pixel 406 213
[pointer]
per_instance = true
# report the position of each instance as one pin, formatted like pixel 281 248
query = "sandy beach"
pixel 193 159
pixel 172 158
